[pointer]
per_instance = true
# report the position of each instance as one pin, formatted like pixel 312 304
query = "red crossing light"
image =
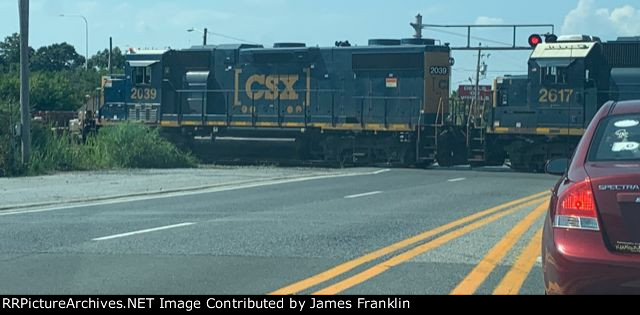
pixel 535 40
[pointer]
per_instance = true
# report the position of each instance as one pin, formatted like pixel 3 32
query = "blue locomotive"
pixel 541 116
pixel 384 102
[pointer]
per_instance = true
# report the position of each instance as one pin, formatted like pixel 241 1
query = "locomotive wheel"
pixel 495 154
pixel 459 154
pixel 342 157
pixel 444 156
pixel 496 159
pixel 408 158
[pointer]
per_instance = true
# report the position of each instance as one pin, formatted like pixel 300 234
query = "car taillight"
pixel 576 208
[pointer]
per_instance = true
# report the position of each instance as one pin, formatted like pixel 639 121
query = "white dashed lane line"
pixel 143 231
pixel 363 195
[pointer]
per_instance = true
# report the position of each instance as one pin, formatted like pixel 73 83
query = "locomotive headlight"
pixel 496 123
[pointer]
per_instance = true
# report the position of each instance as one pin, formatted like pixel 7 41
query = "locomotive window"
pixel 387 61
pixel 554 75
pixel 141 75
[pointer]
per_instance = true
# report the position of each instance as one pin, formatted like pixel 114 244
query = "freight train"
pixel 541 116
pixel 383 102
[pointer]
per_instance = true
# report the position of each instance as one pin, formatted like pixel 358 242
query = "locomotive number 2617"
pixel 143 94
pixel 555 95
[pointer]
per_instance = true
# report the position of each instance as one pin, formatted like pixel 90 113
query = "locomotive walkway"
pixel 378 231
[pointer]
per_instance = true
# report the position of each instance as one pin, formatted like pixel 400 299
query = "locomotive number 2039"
pixel 555 95
pixel 143 94
pixel 438 70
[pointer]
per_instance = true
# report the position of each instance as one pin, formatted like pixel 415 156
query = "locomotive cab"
pixel 565 78
pixel 142 90
pixel 561 90
pixel 541 116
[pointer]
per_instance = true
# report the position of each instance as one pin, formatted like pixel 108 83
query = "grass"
pixel 8 117
pixel 114 147
pixel 134 146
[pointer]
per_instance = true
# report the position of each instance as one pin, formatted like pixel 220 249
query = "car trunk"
pixel 616 187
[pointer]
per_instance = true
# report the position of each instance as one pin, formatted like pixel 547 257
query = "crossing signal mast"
pixel 516 29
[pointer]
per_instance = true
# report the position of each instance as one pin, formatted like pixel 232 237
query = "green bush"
pixel 54 152
pixel 113 147
pixel 8 118
pixel 134 146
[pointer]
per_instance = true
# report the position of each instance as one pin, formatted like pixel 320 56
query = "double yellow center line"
pixel 488 216
pixel 486 266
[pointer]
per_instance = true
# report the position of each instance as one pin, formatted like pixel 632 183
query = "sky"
pixel 163 23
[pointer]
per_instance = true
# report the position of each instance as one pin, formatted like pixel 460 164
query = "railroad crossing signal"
pixel 535 40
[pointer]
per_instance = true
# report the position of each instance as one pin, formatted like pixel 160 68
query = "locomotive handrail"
pixel 413 98
pixel 257 90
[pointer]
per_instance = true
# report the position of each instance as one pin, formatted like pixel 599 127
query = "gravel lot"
pixel 83 186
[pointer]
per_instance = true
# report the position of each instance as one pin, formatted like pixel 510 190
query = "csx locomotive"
pixel 387 101
pixel 384 102
pixel 542 116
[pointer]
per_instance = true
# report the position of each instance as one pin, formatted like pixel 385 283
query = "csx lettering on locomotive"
pixel 259 86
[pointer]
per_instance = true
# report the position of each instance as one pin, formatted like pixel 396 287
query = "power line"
pixel 234 38
pixel 223 35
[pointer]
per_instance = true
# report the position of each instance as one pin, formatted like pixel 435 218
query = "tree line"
pixel 59 80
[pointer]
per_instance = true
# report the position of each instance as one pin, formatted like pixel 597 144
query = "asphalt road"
pixel 327 235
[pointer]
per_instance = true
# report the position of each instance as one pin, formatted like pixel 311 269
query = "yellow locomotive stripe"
pixel 367 127
pixel 169 123
pixel 540 131
pixel 374 126
pixel 240 124
pixel 326 126
pixel 399 127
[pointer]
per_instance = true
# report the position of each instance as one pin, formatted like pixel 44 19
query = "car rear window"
pixel 617 139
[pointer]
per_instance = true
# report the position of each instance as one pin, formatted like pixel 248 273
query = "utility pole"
pixel 417 26
pixel 25 112
pixel 477 94
pixel 86 43
pixel 204 41
pixel 110 55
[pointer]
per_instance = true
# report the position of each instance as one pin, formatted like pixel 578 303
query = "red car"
pixel 591 242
